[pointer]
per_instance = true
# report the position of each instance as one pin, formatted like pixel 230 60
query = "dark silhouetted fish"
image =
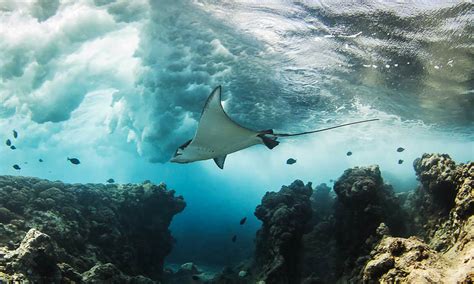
pixel 15 134
pixel 12 147
pixel 8 142
pixel 195 277
pixel 234 238
pixel 400 149
pixel 110 180
pixel 40 160
pixel 400 162
pixel 349 153
pixel 290 161
pixel 331 180
pixel 16 167
pixel 74 161
pixel 243 220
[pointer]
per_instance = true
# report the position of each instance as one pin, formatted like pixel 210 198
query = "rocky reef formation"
pixel 360 231
pixel 441 211
pixel 365 232
pixel 53 232
pixel 284 215
pixel 363 203
pixel 443 202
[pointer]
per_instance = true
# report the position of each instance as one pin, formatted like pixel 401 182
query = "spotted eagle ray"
pixel 218 135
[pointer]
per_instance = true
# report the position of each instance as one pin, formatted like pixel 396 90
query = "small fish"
pixel 15 134
pixel 400 162
pixel 12 147
pixel 290 161
pixel 26 163
pixel 8 142
pixel 16 167
pixel 195 277
pixel 40 160
pixel 400 149
pixel 110 180
pixel 331 180
pixel 349 153
pixel 243 220
pixel 234 238
pixel 74 161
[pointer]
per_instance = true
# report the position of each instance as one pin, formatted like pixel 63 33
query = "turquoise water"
pixel 121 84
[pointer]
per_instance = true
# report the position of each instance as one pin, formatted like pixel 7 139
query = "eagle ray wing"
pixel 215 127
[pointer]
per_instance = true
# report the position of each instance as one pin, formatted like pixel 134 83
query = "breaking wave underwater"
pixel 121 84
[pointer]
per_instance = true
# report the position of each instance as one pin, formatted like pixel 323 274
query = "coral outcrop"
pixel 443 201
pixel 366 233
pixel 442 212
pixel 84 231
pixel 397 259
pixel 278 245
pixel 35 257
pixel 363 210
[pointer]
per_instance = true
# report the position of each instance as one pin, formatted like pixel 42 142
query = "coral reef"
pixel 443 201
pixel 397 259
pixel 85 231
pixel 35 257
pixel 358 232
pixel 278 245
pixel 366 233
pixel 188 273
pixel 364 209
pixel 441 210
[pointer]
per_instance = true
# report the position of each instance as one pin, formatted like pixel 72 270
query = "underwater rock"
pixel 108 273
pixel 363 202
pixel 358 235
pixel 464 200
pixel 358 186
pixel 69 274
pixel 442 212
pixel 444 201
pixel 188 268
pixel 284 215
pixel 189 273
pixel 345 228
pixel 398 260
pixel 34 260
pixel 242 273
pixel 322 202
pixel 89 223
pixel 437 173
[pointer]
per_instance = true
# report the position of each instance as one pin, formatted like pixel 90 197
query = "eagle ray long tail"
pixel 320 130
